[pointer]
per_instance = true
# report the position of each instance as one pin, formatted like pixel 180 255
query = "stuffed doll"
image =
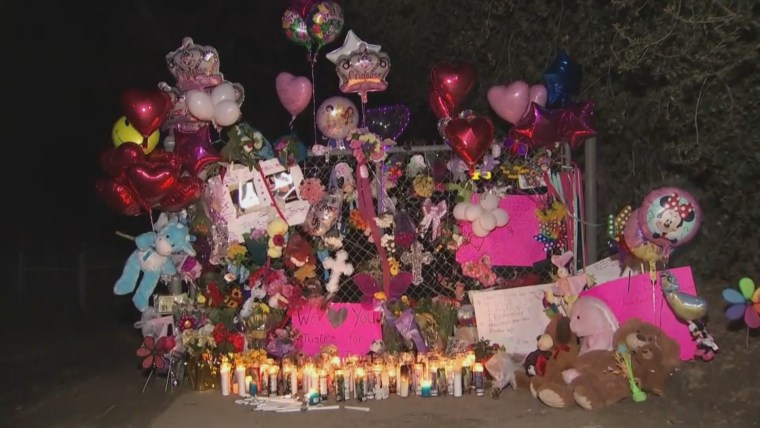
pixel 300 257
pixel 153 258
pixel 535 362
pixel 593 321
pixel 568 287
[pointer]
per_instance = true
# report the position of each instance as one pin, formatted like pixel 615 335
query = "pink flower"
pixel 312 190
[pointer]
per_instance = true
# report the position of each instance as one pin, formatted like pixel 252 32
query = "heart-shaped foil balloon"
pixel 152 182
pixel 470 138
pixel 119 197
pixel 187 190
pixel 323 215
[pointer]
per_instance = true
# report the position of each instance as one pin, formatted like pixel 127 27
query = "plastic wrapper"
pixel 502 368
pixel 323 215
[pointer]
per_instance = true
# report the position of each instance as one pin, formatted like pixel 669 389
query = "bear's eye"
pixel 577 317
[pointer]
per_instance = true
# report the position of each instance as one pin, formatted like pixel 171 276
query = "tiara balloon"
pixel 363 71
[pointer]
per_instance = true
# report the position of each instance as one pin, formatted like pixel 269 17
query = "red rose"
pixel 278 240
pixel 219 334
pixel 237 341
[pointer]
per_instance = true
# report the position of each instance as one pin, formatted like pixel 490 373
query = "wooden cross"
pixel 416 257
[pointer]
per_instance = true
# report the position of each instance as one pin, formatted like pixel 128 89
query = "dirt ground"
pixel 90 379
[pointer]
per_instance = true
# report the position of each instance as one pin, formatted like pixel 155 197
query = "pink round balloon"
pixel 632 232
pixel 538 94
pixel 510 102
pixel 669 217
pixel 294 92
pixel 337 117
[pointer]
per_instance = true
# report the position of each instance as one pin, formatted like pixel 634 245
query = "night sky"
pixel 68 64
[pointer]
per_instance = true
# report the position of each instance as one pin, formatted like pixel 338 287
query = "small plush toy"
pixel 300 257
pixel 535 362
pixel 594 322
pixel 337 266
pixel 276 230
pixel 568 287
pixel 153 258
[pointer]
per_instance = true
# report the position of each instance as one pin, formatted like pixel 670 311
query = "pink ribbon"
pixel 433 214
pixel 367 210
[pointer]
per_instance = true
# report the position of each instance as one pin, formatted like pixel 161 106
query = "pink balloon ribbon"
pixel 432 216
pixel 367 210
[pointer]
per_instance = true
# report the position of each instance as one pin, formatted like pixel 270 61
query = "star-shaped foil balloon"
pixel 542 127
pixel 563 80
pixel 195 150
pixel 578 123
pixel 351 44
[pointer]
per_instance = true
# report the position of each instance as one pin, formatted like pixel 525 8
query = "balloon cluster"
pixel 485 215
pixel 469 136
pixel 312 24
pixel 141 182
pixel 220 106
pixel 667 218
pixel 544 115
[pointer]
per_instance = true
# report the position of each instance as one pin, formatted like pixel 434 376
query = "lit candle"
pixel 433 380
pixel 240 380
pixel 273 372
pixel 340 386
pixel 264 380
pixel 450 377
pixel 370 385
pixel 385 380
pixel 248 382
pixel 313 379
pixel 403 376
pixel 425 388
pixel 466 375
pixel 224 374
pixel 392 381
pixel 359 390
pixel 323 385
pixel 478 380
pixel 442 381
pixel 417 378
pixel 305 377
pixel 457 383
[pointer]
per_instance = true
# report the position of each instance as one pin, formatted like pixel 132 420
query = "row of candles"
pixel 353 378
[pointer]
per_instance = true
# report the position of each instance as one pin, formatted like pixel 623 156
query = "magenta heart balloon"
pixel 538 95
pixel 510 102
pixel 294 92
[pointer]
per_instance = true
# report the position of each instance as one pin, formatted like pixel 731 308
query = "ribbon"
pixel 367 210
pixel 558 349
pixel 433 214
pixel 407 327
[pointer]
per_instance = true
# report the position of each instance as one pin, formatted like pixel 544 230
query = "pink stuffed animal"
pixel 593 321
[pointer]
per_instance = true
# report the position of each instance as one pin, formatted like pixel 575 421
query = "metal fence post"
pixel 82 270
pixel 590 225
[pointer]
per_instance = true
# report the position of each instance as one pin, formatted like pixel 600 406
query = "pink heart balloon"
pixel 510 102
pixel 538 94
pixel 294 92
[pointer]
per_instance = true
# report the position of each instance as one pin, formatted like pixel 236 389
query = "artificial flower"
pixel 186 322
pixel 356 220
pixel 236 252
pixel 305 272
pixel 312 190
pixel 394 266
pixel 423 186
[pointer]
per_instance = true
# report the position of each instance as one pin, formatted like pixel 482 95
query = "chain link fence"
pixel 443 272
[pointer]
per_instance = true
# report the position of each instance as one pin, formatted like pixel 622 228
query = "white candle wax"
pixel 314 380
pixel 457 383
pixel 224 375
pixel 294 381
pixel 273 383
pixel 240 380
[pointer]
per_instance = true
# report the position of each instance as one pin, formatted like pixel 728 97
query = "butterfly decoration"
pixel 744 303
pixel 152 352
pixel 372 290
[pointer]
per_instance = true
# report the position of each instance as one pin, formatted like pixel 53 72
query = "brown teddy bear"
pixel 563 353
pixel 596 379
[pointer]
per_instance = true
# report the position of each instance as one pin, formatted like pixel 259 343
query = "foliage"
pixel 675 84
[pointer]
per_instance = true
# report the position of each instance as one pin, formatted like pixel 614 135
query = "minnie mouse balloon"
pixel 669 217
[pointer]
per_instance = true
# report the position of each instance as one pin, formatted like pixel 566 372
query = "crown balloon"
pixel 363 71
pixel 194 66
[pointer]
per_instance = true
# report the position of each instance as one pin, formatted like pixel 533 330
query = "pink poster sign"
pixel 511 245
pixel 635 297
pixel 348 326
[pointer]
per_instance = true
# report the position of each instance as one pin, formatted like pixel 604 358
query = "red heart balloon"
pixel 164 158
pixel 116 160
pixel 187 191
pixel 453 81
pixel 118 197
pixel 442 105
pixel 470 138
pixel 152 182
pixel 145 110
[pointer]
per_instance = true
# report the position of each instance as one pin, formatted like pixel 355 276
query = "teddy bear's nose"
pixel 641 337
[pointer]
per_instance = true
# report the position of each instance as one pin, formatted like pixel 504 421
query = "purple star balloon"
pixel 195 150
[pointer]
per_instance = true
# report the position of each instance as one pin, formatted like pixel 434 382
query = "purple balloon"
pixel 387 121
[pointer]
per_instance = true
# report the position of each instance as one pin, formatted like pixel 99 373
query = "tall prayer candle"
pixel 392 381
pixel 418 377
pixel 466 376
pixel 478 378
pixel 314 379
pixel 404 375
pixel 340 386
pixel 359 390
pixel 264 380
pixel 224 374
pixel 273 372
pixel 240 380
pixel 385 381
pixel 323 385
pixel 457 383
pixel 433 377
pixel 442 381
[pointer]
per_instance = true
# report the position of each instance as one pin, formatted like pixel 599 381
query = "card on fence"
pixel 512 245
pixel 511 317
pixel 606 270
pixel 633 297
pixel 349 326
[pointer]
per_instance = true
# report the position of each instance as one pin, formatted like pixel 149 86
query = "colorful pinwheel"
pixel 153 352
pixel 744 303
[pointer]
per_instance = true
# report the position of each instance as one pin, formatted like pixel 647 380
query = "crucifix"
pixel 417 257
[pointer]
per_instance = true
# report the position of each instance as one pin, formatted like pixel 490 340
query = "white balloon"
pixel 459 210
pixel 226 113
pixel 489 202
pixel 199 104
pixel 223 92
pixel 472 212
pixel 479 231
pixel 495 151
pixel 502 218
pixel 487 221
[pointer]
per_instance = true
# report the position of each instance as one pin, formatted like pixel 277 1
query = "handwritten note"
pixel 510 245
pixel 512 317
pixel 348 326
pixel 632 297
pixel 607 270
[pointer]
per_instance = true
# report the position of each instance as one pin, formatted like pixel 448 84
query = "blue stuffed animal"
pixel 153 258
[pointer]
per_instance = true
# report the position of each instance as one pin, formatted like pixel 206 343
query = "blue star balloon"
pixel 563 80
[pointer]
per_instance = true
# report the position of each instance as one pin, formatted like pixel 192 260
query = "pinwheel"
pixel 744 303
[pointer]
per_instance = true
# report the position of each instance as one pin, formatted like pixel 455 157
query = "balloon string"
pixel 364 112
pixel 313 62
pixel 271 196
